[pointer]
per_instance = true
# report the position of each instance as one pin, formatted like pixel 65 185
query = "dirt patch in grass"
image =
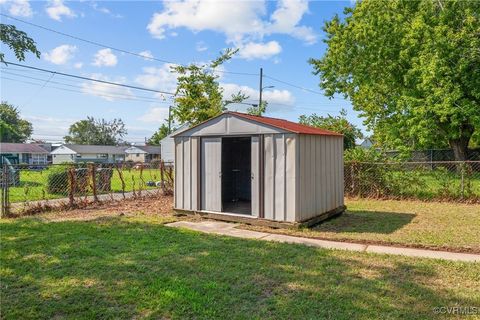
pixel 160 206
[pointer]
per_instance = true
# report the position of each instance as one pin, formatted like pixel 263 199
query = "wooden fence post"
pixel 93 173
pixel 71 186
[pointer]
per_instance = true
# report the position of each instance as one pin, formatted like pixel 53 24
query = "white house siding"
pixel 167 146
pixel 320 179
pixel 61 158
pixel 135 157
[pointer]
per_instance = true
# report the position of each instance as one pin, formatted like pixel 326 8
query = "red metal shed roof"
pixel 287 125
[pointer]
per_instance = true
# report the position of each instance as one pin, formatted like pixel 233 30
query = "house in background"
pixel 88 153
pixel 367 143
pixel 24 153
pixel 168 145
pixel 143 154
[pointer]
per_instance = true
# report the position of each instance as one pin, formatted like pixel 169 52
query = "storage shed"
pixel 242 166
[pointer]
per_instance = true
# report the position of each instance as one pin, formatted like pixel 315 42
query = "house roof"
pixel 21 148
pixel 286 125
pixel 150 149
pixel 182 128
pixel 84 148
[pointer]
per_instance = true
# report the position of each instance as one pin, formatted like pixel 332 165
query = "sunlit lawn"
pixel 125 268
pixel 431 224
pixel 33 184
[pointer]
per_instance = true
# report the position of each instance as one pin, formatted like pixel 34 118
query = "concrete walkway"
pixel 229 229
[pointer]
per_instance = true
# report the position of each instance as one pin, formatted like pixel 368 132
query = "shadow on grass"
pixel 111 268
pixel 358 221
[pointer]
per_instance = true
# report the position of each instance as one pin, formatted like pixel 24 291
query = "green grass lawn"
pixel 121 268
pixel 430 224
pixel 33 184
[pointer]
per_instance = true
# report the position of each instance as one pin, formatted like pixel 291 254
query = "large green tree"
pixel 12 127
pixel 96 132
pixel 161 133
pixel 18 41
pixel 199 95
pixel 412 68
pixel 338 124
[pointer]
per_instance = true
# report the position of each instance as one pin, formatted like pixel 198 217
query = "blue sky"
pixel 278 36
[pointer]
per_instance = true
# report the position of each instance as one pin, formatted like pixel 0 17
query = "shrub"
pixel 57 179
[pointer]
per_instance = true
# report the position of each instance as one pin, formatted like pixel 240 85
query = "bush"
pixel 58 179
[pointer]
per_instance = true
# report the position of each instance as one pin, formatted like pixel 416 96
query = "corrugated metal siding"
pixel 303 174
pixel 186 184
pixel 280 171
pixel 228 124
pixel 255 170
pixel 320 179
pixel 211 183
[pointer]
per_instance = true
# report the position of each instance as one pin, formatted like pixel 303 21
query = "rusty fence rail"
pixel 27 189
pixel 435 180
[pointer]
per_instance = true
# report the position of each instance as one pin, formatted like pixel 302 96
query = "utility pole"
pixel 261 89
pixel 169 119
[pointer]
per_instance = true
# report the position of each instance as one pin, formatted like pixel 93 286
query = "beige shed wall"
pixel 320 178
pixel 280 172
pixel 187 164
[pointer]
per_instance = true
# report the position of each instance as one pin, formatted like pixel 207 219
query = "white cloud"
pixel 56 9
pixel 50 128
pixel 147 55
pixel 277 99
pixel 201 46
pixel 105 10
pixel 254 50
pixel 105 57
pixel 155 115
pixel 160 78
pixel 106 91
pixel 61 54
pixel 78 65
pixel 286 18
pixel 242 22
pixel 19 8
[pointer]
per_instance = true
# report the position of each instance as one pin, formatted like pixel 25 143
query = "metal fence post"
pixel 93 172
pixel 462 179
pixel 5 181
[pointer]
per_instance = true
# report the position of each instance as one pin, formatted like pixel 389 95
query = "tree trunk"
pixel 460 148
pixel 460 145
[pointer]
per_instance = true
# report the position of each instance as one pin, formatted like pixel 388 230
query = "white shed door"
pixel 211 174
pixel 255 175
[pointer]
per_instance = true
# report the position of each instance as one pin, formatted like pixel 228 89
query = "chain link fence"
pixel 440 180
pixel 30 189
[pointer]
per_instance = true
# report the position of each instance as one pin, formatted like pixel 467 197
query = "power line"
pixel 293 85
pixel 91 79
pixel 82 92
pixel 98 44
pixel 148 99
